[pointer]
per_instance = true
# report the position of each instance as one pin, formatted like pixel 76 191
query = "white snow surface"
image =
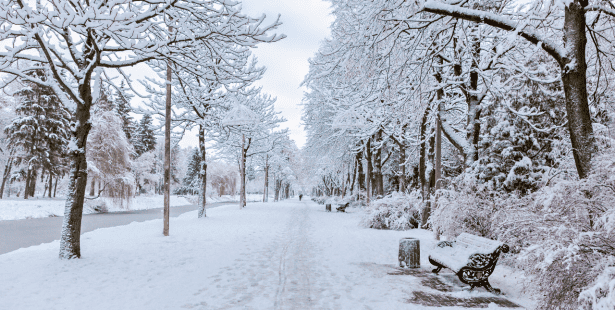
pixel 284 255
pixel 19 208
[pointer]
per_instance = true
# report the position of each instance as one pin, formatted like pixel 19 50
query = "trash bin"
pixel 409 253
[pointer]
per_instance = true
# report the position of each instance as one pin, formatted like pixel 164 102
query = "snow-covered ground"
pixel 285 255
pixel 227 198
pixel 19 208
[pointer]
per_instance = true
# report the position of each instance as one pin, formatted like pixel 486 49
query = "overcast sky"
pixel 305 24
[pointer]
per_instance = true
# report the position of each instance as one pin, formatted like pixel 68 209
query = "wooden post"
pixel 167 149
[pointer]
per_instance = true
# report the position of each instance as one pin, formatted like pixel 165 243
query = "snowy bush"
pixel 565 237
pixel 98 205
pixel 601 295
pixel 506 164
pixel 397 211
pixel 466 207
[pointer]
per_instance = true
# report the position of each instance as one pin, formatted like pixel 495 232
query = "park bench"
pixel 342 208
pixel 471 257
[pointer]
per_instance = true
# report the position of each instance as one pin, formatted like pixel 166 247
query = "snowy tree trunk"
pixel 7 172
pixel 379 182
pixel 402 162
pixel 167 150
pixel 277 190
pixel 70 244
pixel 474 108
pixel 439 97
pixel 46 183
pixel 50 185
pixel 266 190
pixel 574 78
pixel 368 177
pixel 423 151
pixel 354 178
pixel 55 188
pixel 202 173
pixel 26 191
pixel 242 171
pixel 93 187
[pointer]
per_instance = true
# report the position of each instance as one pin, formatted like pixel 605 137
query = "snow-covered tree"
pixel 191 183
pixel 122 104
pixel 117 35
pixel 109 157
pixel 144 139
pixel 248 130
pixel 40 132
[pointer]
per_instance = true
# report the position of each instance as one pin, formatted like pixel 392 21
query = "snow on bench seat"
pixel 471 257
pixel 457 256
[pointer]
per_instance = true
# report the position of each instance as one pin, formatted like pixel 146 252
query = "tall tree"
pixel 122 103
pixel 144 139
pixel 40 131
pixel 116 35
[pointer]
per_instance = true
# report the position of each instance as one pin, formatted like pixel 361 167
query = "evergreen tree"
pixel 41 130
pixel 144 139
pixel 122 104
pixel 191 182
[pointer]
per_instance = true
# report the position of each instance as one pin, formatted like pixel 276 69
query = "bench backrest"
pixel 480 244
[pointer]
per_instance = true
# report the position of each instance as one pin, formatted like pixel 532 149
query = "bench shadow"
pixel 443 300
pixel 444 283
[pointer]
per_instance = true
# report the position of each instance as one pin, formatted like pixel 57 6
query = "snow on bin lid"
pixel 240 115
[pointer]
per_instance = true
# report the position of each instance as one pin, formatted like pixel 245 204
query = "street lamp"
pixel 241 115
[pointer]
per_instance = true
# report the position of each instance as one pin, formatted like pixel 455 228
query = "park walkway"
pixel 283 255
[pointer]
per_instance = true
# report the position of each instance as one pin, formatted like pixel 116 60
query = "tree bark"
pixel 167 150
pixel 574 78
pixel 46 183
pixel 70 243
pixel 55 188
pixel 439 97
pixel 26 191
pixel 474 108
pixel 242 168
pixel 368 177
pixel 266 189
pixel 33 182
pixel 202 173
pixel 379 181
pixel 423 151
pixel 354 178
pixel 93 187
pixel 50 184
pixel 7 172
pixel 402 163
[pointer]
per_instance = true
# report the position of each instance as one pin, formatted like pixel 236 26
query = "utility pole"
pixel 167 149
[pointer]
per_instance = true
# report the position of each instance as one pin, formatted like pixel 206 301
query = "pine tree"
pixel 191 182
pixel 41 130
pixel 144 139
pixel 122 104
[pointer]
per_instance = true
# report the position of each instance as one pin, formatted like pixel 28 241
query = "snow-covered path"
pixel 286 255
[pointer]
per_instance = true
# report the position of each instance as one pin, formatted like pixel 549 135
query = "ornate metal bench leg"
pixel 438 266
pixel 490 288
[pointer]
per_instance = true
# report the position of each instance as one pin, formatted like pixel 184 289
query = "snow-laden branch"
pixel 497 21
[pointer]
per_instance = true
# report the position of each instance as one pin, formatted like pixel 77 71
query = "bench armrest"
pixel 443 244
